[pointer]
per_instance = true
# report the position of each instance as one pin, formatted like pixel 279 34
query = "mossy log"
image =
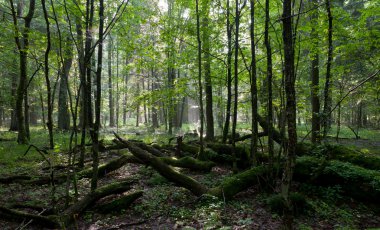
pixel 14 179
pixel 60 178
pixel 189 162
pixel 357 182
pixel 164 169
pixel 341 153
pixel 239 182
pixel 230 187
pixel 120 203
pixel 248 136
pixel 75 210
pixel 18 216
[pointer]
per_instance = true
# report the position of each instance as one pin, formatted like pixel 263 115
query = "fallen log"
pixel 230 187
pixel 164 169
pixel 18 216
pixel 14 179
pixel 356 182
pixel 239 182
pixel 120 203
pixel 86 173
pixel 248 136
pixel 75 210
pixel 189 162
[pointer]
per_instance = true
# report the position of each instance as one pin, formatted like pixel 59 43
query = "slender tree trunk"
pixel 290 109
pixel 110 91
pixel 125 95
pixel 23 47
pixel 253 80
pixel 236 84
pixel 63 104
pixel 200 88
pixel 95 135
pixel 207 70
pixel 315 119
pixel 327 90
pixel 14 124
pixel 26 113
pixel 47 79
pixel 269 83
pixel 229 75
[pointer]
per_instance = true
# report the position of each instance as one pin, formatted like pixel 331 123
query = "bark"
pixel 63 100
pixel 327 90
pixel 229 75
pixel 207 70
pixel 200 88
pixel 315 120
pixel 269 82
pixel 23 47
pixel 253 79
pixel 110 91
pixel 290 109
pixel 47 79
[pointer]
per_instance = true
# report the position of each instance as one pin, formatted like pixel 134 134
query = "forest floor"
pixel 165 206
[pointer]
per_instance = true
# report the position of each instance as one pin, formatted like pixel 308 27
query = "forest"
pixel 190 114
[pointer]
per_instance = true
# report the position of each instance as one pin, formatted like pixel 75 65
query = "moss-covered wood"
pixel 239 182
pixel 79 207
pixel 355 181
pixel 39 220
pixel 341 153
pixel 190 163
pixel 164 169
pixel 60 178
pixel 120 203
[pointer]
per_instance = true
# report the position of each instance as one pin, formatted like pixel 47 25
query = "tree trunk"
pixel 269 83
pixel 315 120
pixel 207 70
pixel 47 79
pixel 63 105
pixel 253 79
pixel 327 90
pixel 201 155
pixel 229 75
pixel 98 98
pixel 290 109
pixel 110 91
pixel 23 47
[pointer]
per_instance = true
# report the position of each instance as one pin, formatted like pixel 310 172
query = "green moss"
pixel 239 182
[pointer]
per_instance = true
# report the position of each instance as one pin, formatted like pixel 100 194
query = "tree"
pixel 23 47
pixel 315 120
pixel 327 90
pixel 290 108
pixel 200 88
pixel 207 69
pixel 229 74
pixel 253 79
pixel 47 80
